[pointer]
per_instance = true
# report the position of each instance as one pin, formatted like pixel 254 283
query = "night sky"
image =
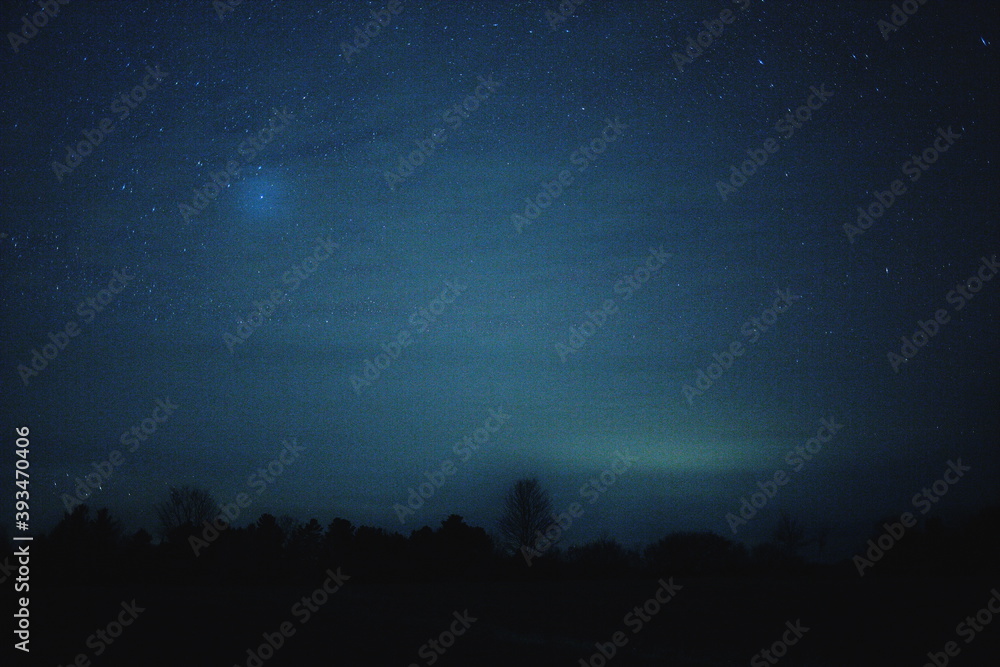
pixel 509 241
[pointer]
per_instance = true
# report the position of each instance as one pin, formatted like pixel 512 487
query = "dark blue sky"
pixel 625 153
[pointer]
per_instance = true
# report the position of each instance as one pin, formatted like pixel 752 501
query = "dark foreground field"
pixel 710 622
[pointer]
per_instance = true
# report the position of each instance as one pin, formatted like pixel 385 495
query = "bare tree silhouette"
pixel 789 535
pixel 186 508
pixel 821 539
pixel 526 510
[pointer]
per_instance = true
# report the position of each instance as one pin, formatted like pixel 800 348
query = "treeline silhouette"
pixel 86 547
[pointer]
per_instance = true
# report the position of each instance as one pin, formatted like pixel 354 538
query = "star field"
pixel 323 176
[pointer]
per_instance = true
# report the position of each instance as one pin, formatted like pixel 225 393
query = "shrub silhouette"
pixel 604 558
pixel 695 553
